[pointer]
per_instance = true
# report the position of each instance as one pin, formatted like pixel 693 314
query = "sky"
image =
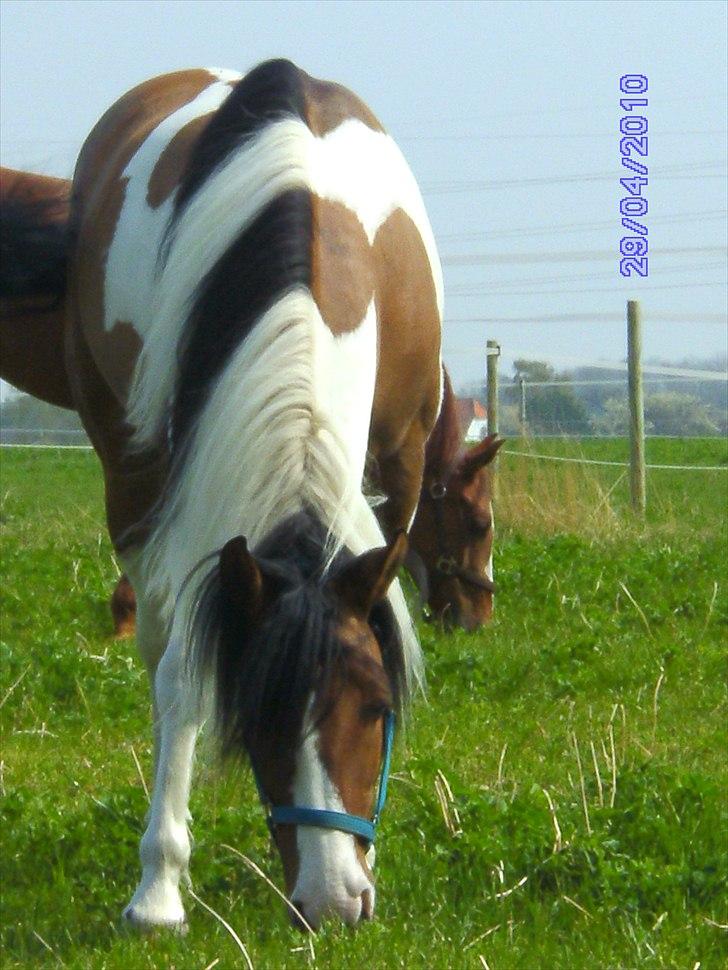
pixel 509 115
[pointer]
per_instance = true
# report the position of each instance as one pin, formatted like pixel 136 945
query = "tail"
pixel 34 235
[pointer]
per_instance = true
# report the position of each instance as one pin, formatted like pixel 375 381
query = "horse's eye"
pixel 374 710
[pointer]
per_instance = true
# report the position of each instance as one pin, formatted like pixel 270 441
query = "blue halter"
pixel 322 818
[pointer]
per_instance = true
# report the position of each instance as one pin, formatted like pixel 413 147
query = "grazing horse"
pixel 253 313
pixel 451 543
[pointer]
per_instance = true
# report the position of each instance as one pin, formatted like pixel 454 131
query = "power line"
pixel 636 284
pixel 569 255
pixel 506 285
pixel 660 316
pixel 551 229
pixel 662 173
pixel 593 107
pixel 552 136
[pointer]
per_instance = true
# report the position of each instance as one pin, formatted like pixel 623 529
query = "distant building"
pixel 473 417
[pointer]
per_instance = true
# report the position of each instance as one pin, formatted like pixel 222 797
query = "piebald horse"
pixel 252 339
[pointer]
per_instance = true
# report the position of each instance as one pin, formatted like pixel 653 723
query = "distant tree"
pixel 533 371
pixel 614 419
pixel 508 419
pixel 665 413
pixel 681 414
pixel 550 409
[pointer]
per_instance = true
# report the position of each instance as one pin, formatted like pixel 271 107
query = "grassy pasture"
pixel 559 801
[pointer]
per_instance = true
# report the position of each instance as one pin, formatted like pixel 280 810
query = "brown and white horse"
pixel 451 541
pixel 253 309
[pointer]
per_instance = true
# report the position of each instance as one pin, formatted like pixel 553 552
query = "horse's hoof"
pixel 133 921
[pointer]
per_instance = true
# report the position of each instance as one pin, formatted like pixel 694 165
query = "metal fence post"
pixel 636 407
pixel 522 405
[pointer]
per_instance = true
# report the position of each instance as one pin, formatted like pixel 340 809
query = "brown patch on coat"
pixel 29 187
pixel 120 131
pixel 94 241
pixel 407 393
pixel 123 609
pixel 342 272
pixel 31 349
pixel 172 162
pixel 327 105
pixel 133 480
pixel 99 191
pixel 350 743
pixel 409 332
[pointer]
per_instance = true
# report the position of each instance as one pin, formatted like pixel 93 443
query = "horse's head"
pixel 309 670
pixel 452 538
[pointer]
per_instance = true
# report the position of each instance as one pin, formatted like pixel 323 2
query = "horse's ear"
pixel 241 580
pixel 365 581
pixel 479 456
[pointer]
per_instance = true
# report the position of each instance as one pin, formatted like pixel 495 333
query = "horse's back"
pixel 215 156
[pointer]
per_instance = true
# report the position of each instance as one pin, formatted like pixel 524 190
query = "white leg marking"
pixel 165 846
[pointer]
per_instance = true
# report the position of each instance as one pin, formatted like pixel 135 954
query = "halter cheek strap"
pixel 356 825
pixel 447 565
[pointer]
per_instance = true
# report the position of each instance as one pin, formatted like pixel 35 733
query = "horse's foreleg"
pixel 165 846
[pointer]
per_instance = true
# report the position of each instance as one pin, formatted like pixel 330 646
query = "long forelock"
pixel 265 677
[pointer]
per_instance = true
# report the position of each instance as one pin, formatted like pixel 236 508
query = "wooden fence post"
pixel 491 367
pixel 493 352
pixel 636 407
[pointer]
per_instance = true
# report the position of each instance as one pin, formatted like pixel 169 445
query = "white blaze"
pixel 330 877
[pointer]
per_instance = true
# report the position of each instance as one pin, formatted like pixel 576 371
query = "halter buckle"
pixel 447 566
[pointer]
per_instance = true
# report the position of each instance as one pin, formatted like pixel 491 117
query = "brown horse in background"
pixel 32 323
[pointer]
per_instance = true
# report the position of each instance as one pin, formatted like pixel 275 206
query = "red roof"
pixel 469 408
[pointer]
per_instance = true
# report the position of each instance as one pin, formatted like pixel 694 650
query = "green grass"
pixel 611 636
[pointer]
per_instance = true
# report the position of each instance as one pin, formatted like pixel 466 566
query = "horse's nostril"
pixel 367 904
pixel 296 920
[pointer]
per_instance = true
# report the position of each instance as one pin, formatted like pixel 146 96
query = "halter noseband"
pixel 323 818
pixel 446 564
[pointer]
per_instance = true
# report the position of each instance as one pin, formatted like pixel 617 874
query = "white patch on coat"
pixel 330 876
pixel 132 259
pixel 360 168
